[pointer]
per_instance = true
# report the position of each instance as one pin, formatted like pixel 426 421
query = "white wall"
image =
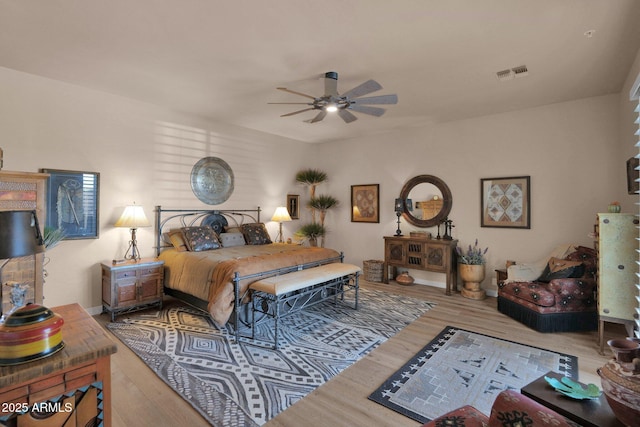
pixel 143 154
pixel 569 150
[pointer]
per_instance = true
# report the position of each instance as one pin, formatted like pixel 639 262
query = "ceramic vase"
pixel 620 379
pixel 404 279
pixel 472 275
pixel 614 208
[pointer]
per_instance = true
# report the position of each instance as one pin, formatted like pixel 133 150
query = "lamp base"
pixel 133 248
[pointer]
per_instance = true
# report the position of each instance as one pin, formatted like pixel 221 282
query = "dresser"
pixel 132 285
pixel 421 254
pixel 616 243
pixel 24 191
pixel 70 387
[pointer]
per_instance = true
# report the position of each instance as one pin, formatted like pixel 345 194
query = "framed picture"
pixel 72 202
pixel 365 203
pixel 633 186
pixel 506 202
pixel 293 206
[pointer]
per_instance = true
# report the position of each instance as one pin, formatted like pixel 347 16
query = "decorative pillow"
pixel 523 272
pixel 234 229
pixel 255 233
pixel 560 269
pixel 200 238
pixel 229 240
pixel 177 240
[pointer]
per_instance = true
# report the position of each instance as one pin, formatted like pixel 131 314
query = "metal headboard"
pixel 190 217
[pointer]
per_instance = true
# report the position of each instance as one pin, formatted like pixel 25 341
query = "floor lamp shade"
pixel 20 234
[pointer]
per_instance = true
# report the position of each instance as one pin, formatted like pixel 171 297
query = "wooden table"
pixel 80 373
pixel 588 412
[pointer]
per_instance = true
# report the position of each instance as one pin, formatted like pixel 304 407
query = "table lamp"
pixel 19 236
pixel 133 217
pixel 280 215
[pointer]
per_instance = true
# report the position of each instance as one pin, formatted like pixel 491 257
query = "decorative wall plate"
pixel 212 180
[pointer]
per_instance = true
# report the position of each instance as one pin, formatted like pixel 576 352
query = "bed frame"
pixel 190 217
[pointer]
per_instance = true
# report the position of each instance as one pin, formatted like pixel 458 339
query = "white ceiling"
pixel 224 59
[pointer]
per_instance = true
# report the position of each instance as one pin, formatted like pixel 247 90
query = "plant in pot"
pixel 322 204
pixel 311 232
pixel 311 178
pixel 471 268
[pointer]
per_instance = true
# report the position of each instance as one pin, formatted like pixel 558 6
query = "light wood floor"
pixel 140 398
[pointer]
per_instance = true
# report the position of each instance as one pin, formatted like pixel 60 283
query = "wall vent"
pixel 515 72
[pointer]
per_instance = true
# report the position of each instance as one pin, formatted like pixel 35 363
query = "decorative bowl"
pixel 30 333
pixel 622 390
pixel 404 279
pixel 624 350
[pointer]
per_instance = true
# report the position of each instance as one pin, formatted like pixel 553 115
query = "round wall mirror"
pixel 430 200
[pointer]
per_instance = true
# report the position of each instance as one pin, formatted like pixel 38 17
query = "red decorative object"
pixel 31 332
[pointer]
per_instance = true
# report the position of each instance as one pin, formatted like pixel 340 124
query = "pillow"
pixel 234 229
pixel 523 272
pixel 255 233
pixel 560 269
pixel 177 240
pixel 200 238
pixel 229 240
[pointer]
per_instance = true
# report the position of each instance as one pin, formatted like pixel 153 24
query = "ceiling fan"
pixel 344 103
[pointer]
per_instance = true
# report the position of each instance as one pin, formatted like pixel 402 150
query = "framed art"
pixel 506 202
pixel 633 175
pixel 365 203
pixel 72 202
pixel 293 206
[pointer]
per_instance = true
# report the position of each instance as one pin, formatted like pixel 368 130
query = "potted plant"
pixel 311 177
pixel 471 268
pixel 322 204
pixel 311 232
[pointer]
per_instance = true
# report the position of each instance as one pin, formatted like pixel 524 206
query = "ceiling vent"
pixel 515 72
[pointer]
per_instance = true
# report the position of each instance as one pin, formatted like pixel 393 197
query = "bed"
pixel 212 256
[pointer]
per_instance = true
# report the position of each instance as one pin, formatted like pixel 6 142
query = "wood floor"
pixel 140 398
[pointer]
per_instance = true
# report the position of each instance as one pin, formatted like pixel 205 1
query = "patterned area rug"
pixel 246 385
pixel 460 368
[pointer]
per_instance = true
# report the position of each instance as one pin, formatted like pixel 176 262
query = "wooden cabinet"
pixel 421 254
pixel 71 387
pixel 24 191
pixel 616 243
pixel 132 285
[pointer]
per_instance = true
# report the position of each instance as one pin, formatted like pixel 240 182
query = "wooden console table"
pixel 73 384
pixel 421 254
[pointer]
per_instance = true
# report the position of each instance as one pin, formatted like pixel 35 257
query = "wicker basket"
pixel 373 270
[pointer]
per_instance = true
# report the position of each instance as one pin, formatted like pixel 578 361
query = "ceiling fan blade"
pixel 374 111
pixel 363 89
pixel 290 103
pixel 347 116
pixel 331 83
pixel 295 93
pixel 319 117
pixel 382 99
pixel 297 112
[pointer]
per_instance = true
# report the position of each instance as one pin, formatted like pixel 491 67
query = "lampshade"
pixel 133 217
pixel 19 234
pixel 399 205
pixel 281 215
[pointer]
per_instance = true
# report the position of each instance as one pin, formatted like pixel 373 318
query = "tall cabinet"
pixel 22 191
pixel 617 268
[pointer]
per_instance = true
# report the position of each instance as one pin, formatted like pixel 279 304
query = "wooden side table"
pixel 132 285
pixel 588 413
pixel 74 384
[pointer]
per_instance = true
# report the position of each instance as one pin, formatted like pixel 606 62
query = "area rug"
pixel 233 384
pixel 460 368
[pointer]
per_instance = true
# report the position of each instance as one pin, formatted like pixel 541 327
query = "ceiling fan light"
pixel 331 108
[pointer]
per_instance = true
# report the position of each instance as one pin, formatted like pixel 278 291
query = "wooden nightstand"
pixel 131 285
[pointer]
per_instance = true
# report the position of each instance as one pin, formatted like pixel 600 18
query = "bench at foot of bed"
pixel 278 296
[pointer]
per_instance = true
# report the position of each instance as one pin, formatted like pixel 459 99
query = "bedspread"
pixel 208 275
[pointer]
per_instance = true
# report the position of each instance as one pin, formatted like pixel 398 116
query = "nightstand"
pixel 132 285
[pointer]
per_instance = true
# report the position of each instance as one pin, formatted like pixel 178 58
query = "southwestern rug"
pixel 233 384
pixel 460 367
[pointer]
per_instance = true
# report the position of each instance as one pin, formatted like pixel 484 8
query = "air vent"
pixel 515 72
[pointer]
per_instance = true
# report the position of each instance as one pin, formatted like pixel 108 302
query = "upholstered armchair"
pixel 509 409
pixel 557 294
